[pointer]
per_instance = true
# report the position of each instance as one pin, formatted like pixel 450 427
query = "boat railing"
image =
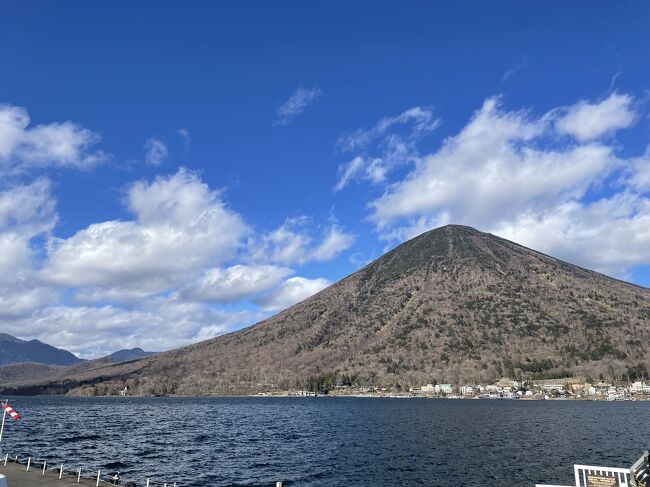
pixel 583 472
pixel 588 475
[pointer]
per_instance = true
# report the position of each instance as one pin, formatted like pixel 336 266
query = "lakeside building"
pixel 565 388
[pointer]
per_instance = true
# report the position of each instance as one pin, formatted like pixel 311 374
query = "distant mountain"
pixel 451 305
pixel 13 351
pixel 127 354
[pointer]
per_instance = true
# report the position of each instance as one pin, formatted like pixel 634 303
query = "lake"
pixel 329 441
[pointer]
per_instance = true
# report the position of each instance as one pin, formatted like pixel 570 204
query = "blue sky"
pixel 175 170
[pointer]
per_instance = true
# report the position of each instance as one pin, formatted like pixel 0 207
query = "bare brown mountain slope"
pixel 453 304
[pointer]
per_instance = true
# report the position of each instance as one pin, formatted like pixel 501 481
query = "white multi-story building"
pixel 443 388
pixel 466 390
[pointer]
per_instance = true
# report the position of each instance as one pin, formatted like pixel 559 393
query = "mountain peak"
pixel 128 354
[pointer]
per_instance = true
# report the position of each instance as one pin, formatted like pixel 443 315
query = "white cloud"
pixel 159 324
pixel 25 212
pixel 297 103
pixel 293 243
pixel 418 120
pixel 185 135
pixel 294 290
pixel 491 170
pixel 234 283
pixel 638 172
pixel 180 227
pixel 610 235
pixel 156 151
pixel 28 209
pixel 347 172
pixel 389 144
pixel 21 300
pixel 333 244
pixel 58 144
pixel 588 121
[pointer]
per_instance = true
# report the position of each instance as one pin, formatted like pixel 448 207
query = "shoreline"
pixel 352 396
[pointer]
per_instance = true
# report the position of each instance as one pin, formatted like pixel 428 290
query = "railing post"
pixel 79 475
pixel 29 462
pixel 98 472
pixel 278 484
pixel 147 483
pixel 61 472
pixel 44 466
pixel 6 458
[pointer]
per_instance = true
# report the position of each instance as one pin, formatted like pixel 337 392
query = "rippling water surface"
pixel 330 441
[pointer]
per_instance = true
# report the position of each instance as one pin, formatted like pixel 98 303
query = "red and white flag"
pixel 14 415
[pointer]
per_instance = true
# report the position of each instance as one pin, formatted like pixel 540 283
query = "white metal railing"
pixel 582 472
pixel 57 469
pixel 622 475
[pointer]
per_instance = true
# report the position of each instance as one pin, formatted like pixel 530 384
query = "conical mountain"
pixel 453 304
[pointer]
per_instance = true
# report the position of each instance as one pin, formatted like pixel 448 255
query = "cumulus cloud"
pixel 294 243
pixel 297 103
pixel 234 283
pixel 26 212
pixel 180 227
pixel 587 121
pixel 494 160
pixel 156 151
pixel 334 242
pixel 517 175
pixel 294 290
pixel 638 172
pixel 57 144
pixel 390 143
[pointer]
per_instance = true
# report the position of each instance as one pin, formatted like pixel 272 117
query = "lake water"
pixel 329 441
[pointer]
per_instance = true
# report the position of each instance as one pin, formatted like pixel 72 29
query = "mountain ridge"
pixel 14 350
